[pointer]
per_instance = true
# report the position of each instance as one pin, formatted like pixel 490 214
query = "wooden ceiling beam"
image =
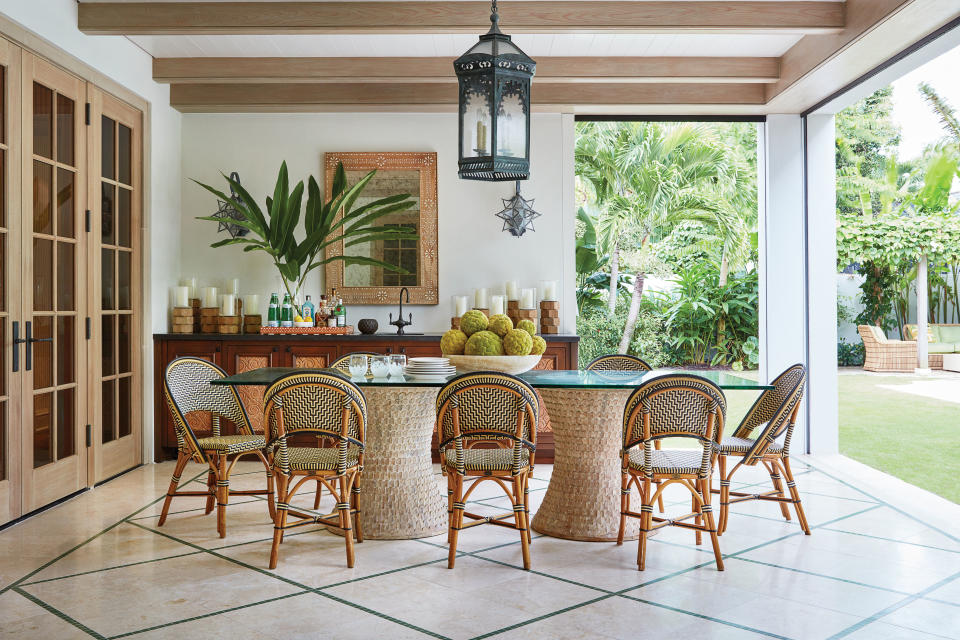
pixel 521 16
pixel 426 70
pixel 280 97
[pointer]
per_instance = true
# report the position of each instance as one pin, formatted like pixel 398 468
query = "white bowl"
pixel 303 325
pixel 504 364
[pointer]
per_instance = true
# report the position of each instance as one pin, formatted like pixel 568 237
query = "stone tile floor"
pixel 99 566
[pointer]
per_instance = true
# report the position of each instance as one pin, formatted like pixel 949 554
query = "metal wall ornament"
pixel 226 211
pixel 518 214
pixel 494 78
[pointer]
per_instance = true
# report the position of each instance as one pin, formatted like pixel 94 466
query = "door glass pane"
pixel 43 352
pixel 123 217
pixel 3 439
pixel 124 150
pixel 106 266
pixel 65 267
pixel 3 123
pixel 123 339
pixel 65 202
pixel 106 213
pixel 3 356
pixel 108 411
pixel 123 279
pixel 42 421
pixel 66 423
pixel 42 274
pixel 66 341
pixel 106 148
pixel 3 179
pixel 42 121
pixel 42 197
pixel 107 347
pixel 65 114
pixel 124 419
pixel 3 271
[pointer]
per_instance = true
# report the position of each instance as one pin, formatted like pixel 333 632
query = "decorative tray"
pixel 307 331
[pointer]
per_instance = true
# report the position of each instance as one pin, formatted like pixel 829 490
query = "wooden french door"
pixel 53 273
pixel 114 184
pixel 10 484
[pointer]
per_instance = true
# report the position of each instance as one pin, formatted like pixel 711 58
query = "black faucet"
pixel 400 323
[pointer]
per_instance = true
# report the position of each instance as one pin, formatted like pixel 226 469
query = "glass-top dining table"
pixel 402 497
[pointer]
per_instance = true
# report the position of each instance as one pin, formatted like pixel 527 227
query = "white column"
pixel 923 362
pixel 568 313
pixel 822 399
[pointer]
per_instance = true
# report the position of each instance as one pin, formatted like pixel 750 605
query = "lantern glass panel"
pixel 477 124
pixel 512 119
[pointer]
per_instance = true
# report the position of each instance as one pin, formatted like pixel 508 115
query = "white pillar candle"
pixel 460 305
pixel 496 305
pixel 233 286
pixel 548 289
pixel 208 297
pixel 179 296
pixel 512 288
pixel 228 306
pixel 251 305
pixel 528 299
pixel 191 283
pixel 480 298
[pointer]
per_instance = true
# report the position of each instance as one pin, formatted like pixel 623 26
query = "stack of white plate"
pixel 429 368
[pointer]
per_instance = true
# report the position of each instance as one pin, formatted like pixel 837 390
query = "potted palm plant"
pixel 324 222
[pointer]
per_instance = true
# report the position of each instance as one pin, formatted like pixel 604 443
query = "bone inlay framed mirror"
pixel 397 172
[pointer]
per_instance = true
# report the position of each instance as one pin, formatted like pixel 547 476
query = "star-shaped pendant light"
pixel 227 211
pixel 518 214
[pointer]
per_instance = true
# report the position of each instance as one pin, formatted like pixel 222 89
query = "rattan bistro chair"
pixel 187 388
pixel 671 406
pixel 618 362
pixel 774 413
pixel 331 407
pixel 477 411
pixel 343 362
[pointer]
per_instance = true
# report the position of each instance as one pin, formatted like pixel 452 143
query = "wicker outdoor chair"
pixel 883 354
pixel 618 362
pixel 477 411
pixel 623 362
pixel 334 409
pixel 774 413
pixel 671 406
pixel 343 362
pixel 187 388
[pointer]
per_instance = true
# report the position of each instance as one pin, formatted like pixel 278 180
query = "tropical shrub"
pixel 850 355
pixel 600 334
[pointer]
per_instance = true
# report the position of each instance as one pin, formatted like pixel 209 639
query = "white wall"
pixel 127 64
pixel 473 251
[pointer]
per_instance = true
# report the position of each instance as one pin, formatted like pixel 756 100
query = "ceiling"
pixel 624 56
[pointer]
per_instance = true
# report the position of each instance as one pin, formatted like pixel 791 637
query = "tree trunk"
pixel 724 270
pixel 614 278
pixel 633 314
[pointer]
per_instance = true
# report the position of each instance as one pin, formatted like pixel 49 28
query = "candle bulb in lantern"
pixel 179 296
pixel 528 299
pixel 191 283
pixel 480 298
pixel 513 289
pixel 251 305
pixel 496 305
pixel 228 306
pixel 208 297
pixel 459 305
pixel 548 290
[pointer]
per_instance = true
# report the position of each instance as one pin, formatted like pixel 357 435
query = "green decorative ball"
pixel 484 343
pixel 453 342
pixel 517 342
pixel 473 321
pixel 500 324
pixel 528 326
pixel 539 346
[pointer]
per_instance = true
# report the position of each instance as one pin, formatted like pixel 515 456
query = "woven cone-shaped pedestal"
pixel 582 501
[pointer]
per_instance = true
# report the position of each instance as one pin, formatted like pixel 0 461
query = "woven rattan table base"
pixel 583 499
pixel 400 496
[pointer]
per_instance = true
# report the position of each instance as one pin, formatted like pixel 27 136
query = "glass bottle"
pixel 341 313
pixel 309 311
pixel 273 314
pixel 286 312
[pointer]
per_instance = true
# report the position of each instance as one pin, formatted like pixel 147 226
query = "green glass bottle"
pixel 286 312
pixel 273 314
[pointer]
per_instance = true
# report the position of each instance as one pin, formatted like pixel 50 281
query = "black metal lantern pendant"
pixel 494 77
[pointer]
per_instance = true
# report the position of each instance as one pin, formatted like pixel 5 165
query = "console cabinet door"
pixel 242 356
pixel 310 356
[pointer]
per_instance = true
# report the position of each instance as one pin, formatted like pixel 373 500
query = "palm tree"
pixel 943 109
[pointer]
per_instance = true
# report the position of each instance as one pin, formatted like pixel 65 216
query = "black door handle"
pixel 17 341
pixel 30 340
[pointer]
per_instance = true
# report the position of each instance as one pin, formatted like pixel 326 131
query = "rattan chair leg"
pixel 656 445
pixel 355 505
pixel 698 520
pixel 526 506
pixel 706 494
pixel 212 488
pixel 449 508
pixel 795 494
pixel 773 470
pixel 646 520
pixel 344 509
pixel 182 460
pixel 456 518
pixel 624 505
pixel 317 496
pixel 519 515
pixel 280 521
pixel 724 494
pixel 223 491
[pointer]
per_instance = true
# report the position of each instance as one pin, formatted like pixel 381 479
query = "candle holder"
pixel 229 324
pixel 513 306
pixel 209 319
pixel 549 316
pixel 252 324
pixel 485 312
pixel 181 320
pixel 455 322
pixel 195 307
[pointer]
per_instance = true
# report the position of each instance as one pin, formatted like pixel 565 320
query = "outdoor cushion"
pixel 948 334
pixel 933 331
pixel 878 333
pixel 940 347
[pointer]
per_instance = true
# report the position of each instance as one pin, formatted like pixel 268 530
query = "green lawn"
pixel 914 438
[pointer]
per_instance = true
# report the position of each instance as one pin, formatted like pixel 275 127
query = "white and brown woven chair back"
pixel 490 407
pixel 675 406
pixel 342 363
pixel 319 403
pixel 618 362
pixel 187 388
pixel 776 409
